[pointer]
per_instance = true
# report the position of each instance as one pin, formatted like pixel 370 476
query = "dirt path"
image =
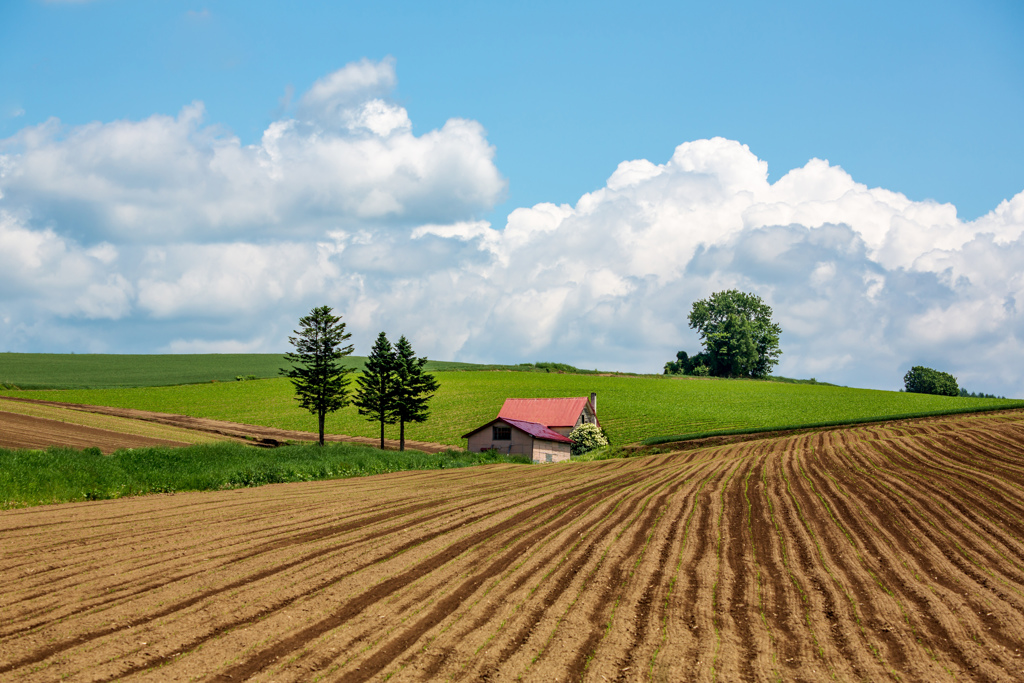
pixel 267 436
pixel 882 552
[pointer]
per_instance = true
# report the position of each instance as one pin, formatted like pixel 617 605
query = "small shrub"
pixel 586 438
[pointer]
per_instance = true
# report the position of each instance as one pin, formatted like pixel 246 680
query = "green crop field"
pixel 109 371
pixel 631 408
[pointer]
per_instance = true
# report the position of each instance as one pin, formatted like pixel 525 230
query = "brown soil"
pixel 881 552
pixel 26 431
pixel 264 436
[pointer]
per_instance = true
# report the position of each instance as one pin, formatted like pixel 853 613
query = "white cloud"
pixel 336 96
pixel 350 161
pixel 185 240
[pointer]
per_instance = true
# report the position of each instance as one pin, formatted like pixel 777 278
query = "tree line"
pixel 394 387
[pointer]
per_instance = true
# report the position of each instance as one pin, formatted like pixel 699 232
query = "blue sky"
pixel 134 221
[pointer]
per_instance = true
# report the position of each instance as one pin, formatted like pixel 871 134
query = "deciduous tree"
pixel 415 388
pixel 320 379
pixel 922 380
pixel 377 395
pixel 739 336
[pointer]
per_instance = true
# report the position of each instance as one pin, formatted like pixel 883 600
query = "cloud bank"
pixel 168 234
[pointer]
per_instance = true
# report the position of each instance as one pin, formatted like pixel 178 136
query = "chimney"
pixel 593 402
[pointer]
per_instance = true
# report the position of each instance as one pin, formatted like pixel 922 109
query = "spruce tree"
pixel 321 381
pixel 415 388
pixel 376 397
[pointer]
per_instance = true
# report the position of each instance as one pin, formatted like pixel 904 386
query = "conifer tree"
pixel 376 397
pixel 321 381
pixel 415 388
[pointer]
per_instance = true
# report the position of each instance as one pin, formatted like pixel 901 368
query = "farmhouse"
pixel 538 427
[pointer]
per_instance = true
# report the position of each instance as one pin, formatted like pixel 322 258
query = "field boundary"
pixel 814 426
pixel 256 435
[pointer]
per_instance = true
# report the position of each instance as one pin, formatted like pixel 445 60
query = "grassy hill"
pixel 631 408
pixel 108 371
pixel 104 371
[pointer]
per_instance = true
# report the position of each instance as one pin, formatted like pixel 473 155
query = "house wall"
pixel 586 417
pixel 550 451
pixel 521 443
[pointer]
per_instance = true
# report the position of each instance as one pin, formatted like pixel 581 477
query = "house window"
pixel 502 433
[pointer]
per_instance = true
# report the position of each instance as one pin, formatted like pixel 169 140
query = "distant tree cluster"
pixel 965 394
pixel 922 380
pixel 739 337
pixel 393 387
pixel 689 365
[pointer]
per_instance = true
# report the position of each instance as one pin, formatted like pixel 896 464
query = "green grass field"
pixel 111 371
pixel 62 475
pixel 630 408
pixel 108 371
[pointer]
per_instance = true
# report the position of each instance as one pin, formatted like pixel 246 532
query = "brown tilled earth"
pixel 883 552
pixel 26 431
pixel 265 436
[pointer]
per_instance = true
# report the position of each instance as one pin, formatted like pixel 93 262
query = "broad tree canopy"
pixel 922 380
pixel 739 336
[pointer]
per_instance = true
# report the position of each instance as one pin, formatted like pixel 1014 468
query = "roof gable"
pixel 534 429
pixel 550 412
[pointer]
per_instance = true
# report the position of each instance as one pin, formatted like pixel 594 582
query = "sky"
pixel 518 182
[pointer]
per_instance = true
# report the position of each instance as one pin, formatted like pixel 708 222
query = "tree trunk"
pixel 382 433
pixel 322 414
pixel 401 434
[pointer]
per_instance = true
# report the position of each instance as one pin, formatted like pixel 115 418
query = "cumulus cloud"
pixel 168 234
pixel 349 160
pixel 864 281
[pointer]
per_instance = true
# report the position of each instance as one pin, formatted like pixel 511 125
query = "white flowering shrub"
pixel 586 438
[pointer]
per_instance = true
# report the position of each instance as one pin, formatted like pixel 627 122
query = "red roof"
pixel 534 429
pixel 550 412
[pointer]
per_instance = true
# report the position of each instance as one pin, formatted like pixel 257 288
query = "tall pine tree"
pixel 377 395
pixel 415 388
pixel 321 381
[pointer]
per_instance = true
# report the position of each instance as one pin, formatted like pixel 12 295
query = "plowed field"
pixel 15 432
pixel 869 553
pixel 26 431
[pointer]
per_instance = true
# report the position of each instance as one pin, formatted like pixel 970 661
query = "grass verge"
pixel 64 475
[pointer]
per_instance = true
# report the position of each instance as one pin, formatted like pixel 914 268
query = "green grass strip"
pixel 64 475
